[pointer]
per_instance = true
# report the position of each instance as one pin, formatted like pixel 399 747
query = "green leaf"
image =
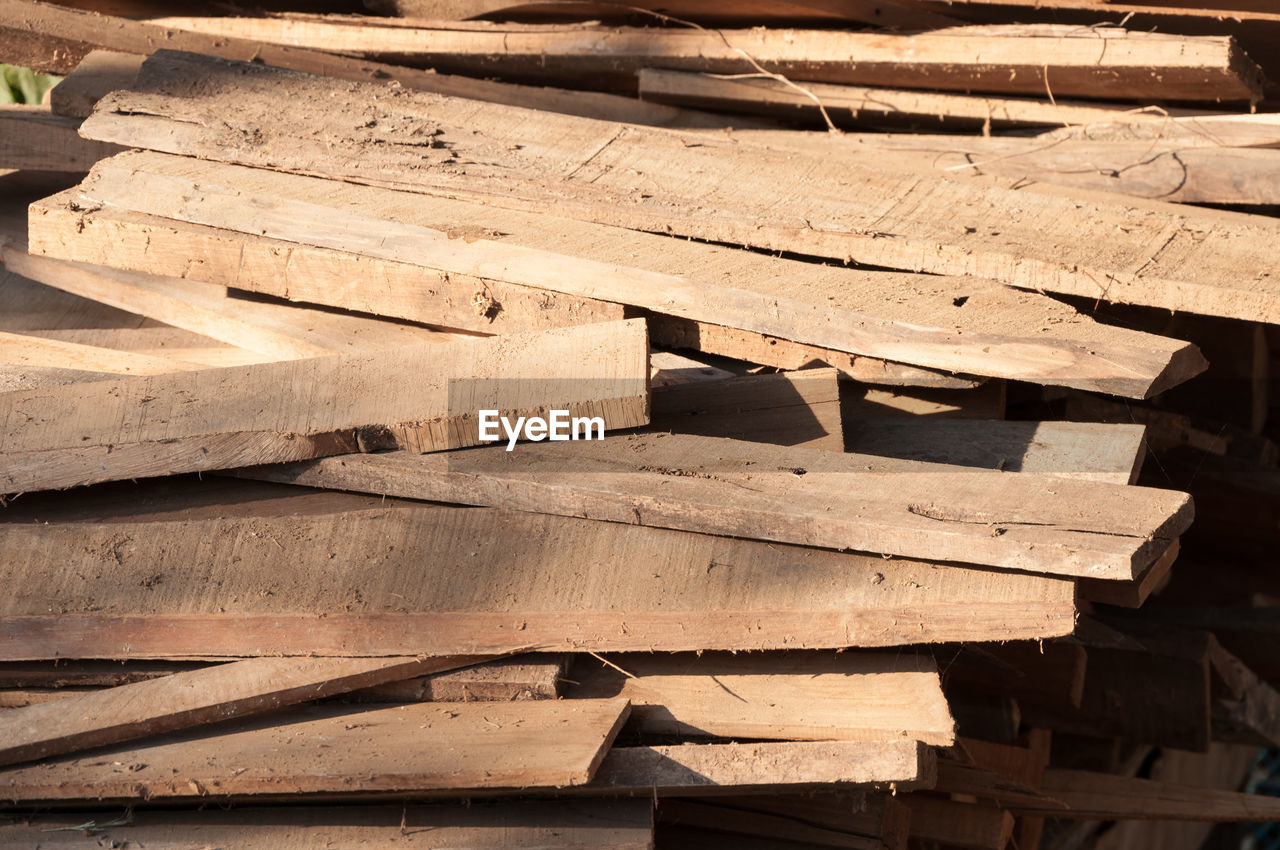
pixel 22 85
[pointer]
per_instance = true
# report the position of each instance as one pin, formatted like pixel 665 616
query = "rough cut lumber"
pixel 968 325
pixel 279 331
pixel 521 677
pixel 420 747
pixel 33 139
pixel 1111 453
pixel 1103 796
pixel 173 572
pixel 786 409
pixel 134 427
pixel 194 698
pixel 787 354
pixel 55 39
pixel 725 190
pixel 22 350
pixel 1132 594
pixel 1100 63
pixel 1208 131
pixel 475 825
pixel 173 344
pixel 126 240
pixel 983 402
pixel 688 769
pixel 100 72
pixel 164 247
pixel 1245 709
pixel 1151 169
pixel 786 494
pixel 859 105
pixel 796 696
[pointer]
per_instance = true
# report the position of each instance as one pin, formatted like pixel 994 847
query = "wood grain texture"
pixel 970 326
pixel 278 331
pixel 1103 63
pixel 56 38
pixel 697 769
pixel 141 426
pixel 861 105
pixel 786 494
pixel 475 825
pixel 121 239
pixel 786 409
pixel 38 351
pixel 1087 451
pixel 33 139
pixel 728 191
pixel 417 747
pixel 228 568
pixel 846 697
pixel 194 698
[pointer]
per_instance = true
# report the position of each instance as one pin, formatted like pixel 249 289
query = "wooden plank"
pixel 224 418
pixel 173 344
pixel 1051 673
pixel 33 139
pixel 1102 63
pixel 100 72
pixel 728 191
pixel 280 331
pixel 1134 594
pixel 128 572
pixel 22 350
pixel 768 350
pixel 521 677
pixel 1233 130
pixel 845 697
pixel 785 494
pixel 846 309
pixel 419 747
pixel 55 39
pixel 194 698
pixel 848 105
pixel 1154 169
pixel 1245 709
pixel 1103 796
pixel 986 402
pixel 959 824
pixel 475 825
pixel 787 409
pixel 1111 453
pixel 125 240
pixel 697 769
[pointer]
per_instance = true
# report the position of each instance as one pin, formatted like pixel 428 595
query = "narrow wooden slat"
pixel 221 418
pixel 194 698
pixel 959 824
pixel 421 747
pixel 100 72
pixel 1101 63
pixel 280 331
pixel 22 350
pixel 860 105
pixel 849 697
pixel 786 494
pixel 697 769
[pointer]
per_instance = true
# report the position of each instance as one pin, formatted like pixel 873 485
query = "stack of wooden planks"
pixel 918 485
